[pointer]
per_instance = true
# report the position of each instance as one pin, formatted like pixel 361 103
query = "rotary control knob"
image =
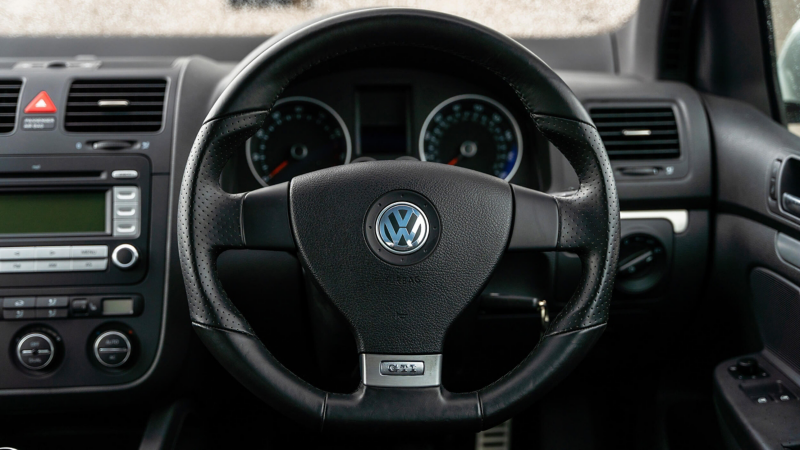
pixel 35 351
pixel 112 349
pixel 747 367
pixel 125 256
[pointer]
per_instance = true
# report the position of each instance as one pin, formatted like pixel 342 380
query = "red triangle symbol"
pixel 41 104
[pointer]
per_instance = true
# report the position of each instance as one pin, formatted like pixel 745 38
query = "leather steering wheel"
pixel 332 220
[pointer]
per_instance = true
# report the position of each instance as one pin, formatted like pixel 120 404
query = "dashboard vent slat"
pixel 106 106
pixel 638 132
pixel 9 98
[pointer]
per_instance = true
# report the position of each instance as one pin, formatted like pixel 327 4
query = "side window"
pixel 786 35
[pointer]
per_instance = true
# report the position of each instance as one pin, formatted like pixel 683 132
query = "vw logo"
pixel 402 228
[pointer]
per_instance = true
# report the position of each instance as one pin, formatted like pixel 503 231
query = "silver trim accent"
pixel 133 260
pixel 125 174
pixel 97 349
pixel 678 217
pixel 636 132
pixel 300 98
pixel 52 350
pixel 371 371
pixel 502 108
pixel 103 103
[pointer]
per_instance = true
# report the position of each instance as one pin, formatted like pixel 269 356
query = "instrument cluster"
pixel 377 115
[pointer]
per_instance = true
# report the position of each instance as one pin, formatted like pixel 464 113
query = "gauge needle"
pixel 280 167
pixel 454 161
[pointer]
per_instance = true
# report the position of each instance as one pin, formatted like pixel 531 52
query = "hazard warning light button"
pixel 41 104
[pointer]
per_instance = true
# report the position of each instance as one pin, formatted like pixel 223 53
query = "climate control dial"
pixel 35 351
pixel 112 349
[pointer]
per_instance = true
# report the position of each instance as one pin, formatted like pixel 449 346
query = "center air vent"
pixel 9 98
pixel 105 106
pixel 638 132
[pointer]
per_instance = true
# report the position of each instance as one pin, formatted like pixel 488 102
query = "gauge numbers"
pixel 475 132
pixel 300 135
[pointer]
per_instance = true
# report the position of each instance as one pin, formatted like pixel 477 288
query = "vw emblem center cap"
pixel 402 228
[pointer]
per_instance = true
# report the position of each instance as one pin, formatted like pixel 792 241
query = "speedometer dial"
pixel 475 132
pixel 300 135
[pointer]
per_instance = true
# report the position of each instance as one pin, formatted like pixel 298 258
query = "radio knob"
pixel 125 256
pixel 35 351
pixel 112 349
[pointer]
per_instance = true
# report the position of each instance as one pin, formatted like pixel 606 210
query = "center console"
pixel 83 225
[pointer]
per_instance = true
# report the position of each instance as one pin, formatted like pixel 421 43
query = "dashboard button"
pixel 52 252
pixel 126 194
pixel 16 266
pixel 19 302
pixel 13 253
pixel 126 210
pixel 52 302
pixel 52 313
pixel 124 174
pixel 126 227
pixel 53 266
pixel 89 251
pixel 35 351
pixel 19 314
pixel 88 265
pixel 80 306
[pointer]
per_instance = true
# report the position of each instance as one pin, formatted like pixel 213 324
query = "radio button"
pixel 17 266
pixel 52 252
pixel 11 253
pixel 126 210
pixel 19 302
pixel 53 266
pixel 126 194
pixel 89 251
pixel 89 265
pixel 52 302
pixel 126 227
pixel 124 174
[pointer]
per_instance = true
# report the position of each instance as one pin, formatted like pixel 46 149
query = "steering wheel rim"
pixel 210 220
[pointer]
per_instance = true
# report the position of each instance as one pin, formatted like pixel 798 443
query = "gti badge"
pixel 402 228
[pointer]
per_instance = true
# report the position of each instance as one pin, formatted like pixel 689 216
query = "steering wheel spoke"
pixel 536 220
pixel 265 219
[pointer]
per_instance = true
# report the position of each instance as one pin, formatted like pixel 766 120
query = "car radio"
pixel 73 220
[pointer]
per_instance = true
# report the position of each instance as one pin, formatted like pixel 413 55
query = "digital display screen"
pixel 53 212
pixel 383 121
pixel 121 307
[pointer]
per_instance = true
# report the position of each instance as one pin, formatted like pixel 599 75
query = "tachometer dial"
pixel 300 135
pixel 475 132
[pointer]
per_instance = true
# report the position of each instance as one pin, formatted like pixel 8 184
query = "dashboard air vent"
pixel 106 106
pixel 9 98
pixel 638 132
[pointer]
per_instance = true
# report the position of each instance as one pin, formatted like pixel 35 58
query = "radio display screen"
pixel 63 212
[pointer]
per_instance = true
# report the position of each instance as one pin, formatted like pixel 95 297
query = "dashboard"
pixel 90 272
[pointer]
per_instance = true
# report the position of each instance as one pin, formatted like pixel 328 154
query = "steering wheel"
pixel 399 247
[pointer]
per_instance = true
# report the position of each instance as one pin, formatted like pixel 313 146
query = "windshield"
pixel 519 18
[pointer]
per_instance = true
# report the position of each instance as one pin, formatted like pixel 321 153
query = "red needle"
pixel 280 167
pixel 454 161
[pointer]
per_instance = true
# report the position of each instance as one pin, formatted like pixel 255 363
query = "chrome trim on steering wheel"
pixel 401 370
